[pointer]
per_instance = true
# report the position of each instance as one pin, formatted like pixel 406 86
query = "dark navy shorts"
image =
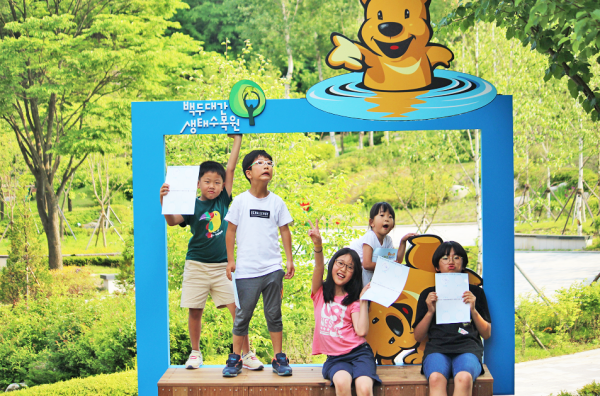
pixel 358 362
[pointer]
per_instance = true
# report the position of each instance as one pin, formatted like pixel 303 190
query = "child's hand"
pixel 164 190
pixel 289 270
pixel 230 269
pixel 469 298
pixel 234 135
pixel 431 301
pixel 405 237
pixel 365 289
pixel 314 233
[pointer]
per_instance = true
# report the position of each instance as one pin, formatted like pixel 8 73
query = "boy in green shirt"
pixel 206 259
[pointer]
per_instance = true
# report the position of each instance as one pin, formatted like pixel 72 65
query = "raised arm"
pixel 483 326
pixel 172 219
pixel 233 159
pixel 402 247
pixel 422 328
pixel 367 261
pixel 360 319
pixel 315 236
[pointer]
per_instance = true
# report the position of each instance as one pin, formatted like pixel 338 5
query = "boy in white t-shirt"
pixel 382 219
pixel 254 217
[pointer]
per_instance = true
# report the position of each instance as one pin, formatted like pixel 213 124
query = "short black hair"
pixel 445 248
pixel 353 287
pixel 211 166
pixel 251 157
pixel 382 206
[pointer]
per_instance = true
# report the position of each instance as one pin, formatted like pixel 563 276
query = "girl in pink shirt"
pixel 342 320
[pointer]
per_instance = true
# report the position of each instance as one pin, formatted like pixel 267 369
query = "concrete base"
pixel 3 260
pixel 110 283
pixel 551 242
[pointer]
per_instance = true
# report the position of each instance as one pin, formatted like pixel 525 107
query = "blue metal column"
pixel 498 242
pixel 151 287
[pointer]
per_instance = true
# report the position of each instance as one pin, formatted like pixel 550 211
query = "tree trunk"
pixel 318 56
pixel 288 49
pixel 477 158
pixel 386 136
pixel 371 141
pixel 2 210
pixel 342 141
pixel 69 203
pixel 548 185
pixel 334 142
pixel 361 136
pixel 47 205
pixel 579 209
pixel 527 185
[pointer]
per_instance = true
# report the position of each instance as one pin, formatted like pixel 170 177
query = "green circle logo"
pixel 247 100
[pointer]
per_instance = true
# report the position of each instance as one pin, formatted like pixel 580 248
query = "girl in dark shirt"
pixel 456 348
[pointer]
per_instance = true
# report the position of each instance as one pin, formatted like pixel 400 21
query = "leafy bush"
pixel 126 277
pixel 322 151
pixel 571 175
pixel 82 261
pixel 118 384
pixel 72 281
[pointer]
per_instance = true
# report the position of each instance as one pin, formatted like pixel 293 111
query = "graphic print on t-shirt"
pixel 332 319
pixel 263 214
pixel 214 223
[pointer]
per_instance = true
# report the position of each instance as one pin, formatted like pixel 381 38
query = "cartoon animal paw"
pixel 439 56
pixel 345 54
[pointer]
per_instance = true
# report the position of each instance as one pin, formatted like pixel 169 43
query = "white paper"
pixel 389 254
pixel 235 293
pixel 450 307
pixel 387 283
pixel 183 183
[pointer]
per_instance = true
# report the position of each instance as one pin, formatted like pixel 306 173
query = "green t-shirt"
pixel 208 228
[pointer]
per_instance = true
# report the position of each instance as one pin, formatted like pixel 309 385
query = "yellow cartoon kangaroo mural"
pixel 391 331
pixel 394 51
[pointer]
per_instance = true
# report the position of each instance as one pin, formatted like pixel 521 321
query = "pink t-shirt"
pixel 334 333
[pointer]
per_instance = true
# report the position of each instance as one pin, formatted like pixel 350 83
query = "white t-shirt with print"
pixel 257 238
pixel 370 238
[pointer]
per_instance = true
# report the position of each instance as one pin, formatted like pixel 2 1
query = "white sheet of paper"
pixel 389 254
pixel 183 182
pixel 450 307
pixel 235 293
pixel 388 282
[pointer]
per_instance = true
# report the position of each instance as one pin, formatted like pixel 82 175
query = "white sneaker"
pixel 194 361
pixel 251 362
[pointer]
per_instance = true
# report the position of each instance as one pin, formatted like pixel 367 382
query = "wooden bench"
pixel 306 381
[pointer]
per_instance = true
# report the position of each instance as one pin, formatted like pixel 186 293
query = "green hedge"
pixel 105 261
pixel 592 389
pixel 118 384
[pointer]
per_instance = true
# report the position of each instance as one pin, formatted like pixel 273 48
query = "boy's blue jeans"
pixel 451 363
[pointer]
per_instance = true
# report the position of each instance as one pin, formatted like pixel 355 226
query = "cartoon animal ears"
pixel 420 253
pixel 365 3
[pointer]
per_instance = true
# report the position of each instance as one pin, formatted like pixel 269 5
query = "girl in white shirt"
pixel 382 219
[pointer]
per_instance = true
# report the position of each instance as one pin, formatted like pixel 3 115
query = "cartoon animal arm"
pixel 346 54
pixel 439 55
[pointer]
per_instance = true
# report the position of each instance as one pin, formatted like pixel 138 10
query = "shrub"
pixel 571 175
pixel 119 384
pixel 322 151
pixel 126 277
pixel 72 281
pixel 82 261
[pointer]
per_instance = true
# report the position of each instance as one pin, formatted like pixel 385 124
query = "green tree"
pixel 26 273
pixel 66 72
pixel 565 32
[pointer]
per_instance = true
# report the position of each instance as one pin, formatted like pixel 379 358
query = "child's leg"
pixel 342 380
pixel 272 307
pixel 437 369
pixel 195 327
pixel 246 342
pixel 364 386
pixel 248 294
pixel 466 368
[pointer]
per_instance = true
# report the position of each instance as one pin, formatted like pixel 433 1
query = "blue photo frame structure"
pixel 151 121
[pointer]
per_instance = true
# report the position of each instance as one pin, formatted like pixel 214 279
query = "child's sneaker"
pixel 281 364
pixel 234 365
pixel 194 361
pixel 251 362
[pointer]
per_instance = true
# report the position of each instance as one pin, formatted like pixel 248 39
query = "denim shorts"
pixel 454 363
pixel 359 362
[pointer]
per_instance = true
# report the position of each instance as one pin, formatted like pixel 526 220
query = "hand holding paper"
pixel 183 182
pixel 450 307
pixel 387 283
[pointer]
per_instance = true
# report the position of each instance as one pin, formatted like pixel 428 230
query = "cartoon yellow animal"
pixel 391 329
pixel 394 51
pixel 214 224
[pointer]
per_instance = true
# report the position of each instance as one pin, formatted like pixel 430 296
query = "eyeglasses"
pixel 341 264
pixel 261 162
pixel 454 258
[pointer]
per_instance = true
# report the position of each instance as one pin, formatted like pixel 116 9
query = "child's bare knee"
pixel 364 386
pixel 343 383
pixel 437 381
pixel 463 380
pixel 196 313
